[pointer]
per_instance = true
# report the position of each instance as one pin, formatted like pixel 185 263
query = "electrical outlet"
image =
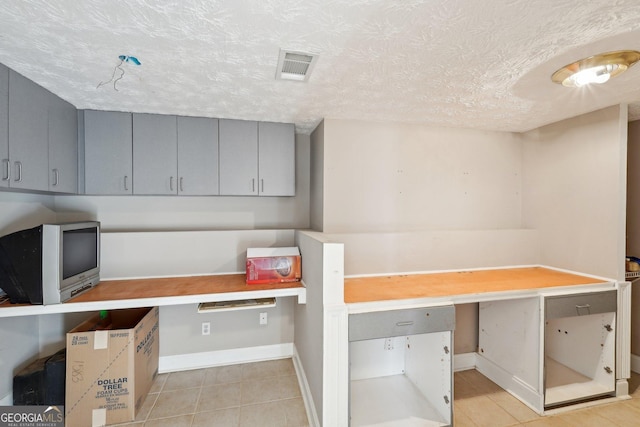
pixel 263 318
pixel 206 328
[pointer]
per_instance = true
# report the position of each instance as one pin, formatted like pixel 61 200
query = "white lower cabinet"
pixel 550 351
pixel 401 367
pixel 579 347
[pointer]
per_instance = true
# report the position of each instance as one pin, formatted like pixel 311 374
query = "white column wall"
pixel 574 191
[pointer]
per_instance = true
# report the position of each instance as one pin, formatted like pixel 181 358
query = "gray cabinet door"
pixel 276 154
pixel 197 156
pixel 155 154
pixel 5 168
pixel 108 152
pixel 238 158
pixel 28 142
pixel 63 146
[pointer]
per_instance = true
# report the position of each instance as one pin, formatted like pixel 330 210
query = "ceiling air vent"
pixel 294 65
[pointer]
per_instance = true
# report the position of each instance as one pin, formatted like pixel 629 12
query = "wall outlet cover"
pixel 206 328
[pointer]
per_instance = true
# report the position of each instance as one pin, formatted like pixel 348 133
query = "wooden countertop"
pixel 174 287
pixel 116 294
pixel 434 285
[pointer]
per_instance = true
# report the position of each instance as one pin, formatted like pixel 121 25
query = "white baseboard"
pixel 464 361
pixel 309 405
pixel 208 359
pixel 523 391
pixel 635 363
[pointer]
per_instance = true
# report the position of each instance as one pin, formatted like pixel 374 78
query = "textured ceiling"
pixel 463 63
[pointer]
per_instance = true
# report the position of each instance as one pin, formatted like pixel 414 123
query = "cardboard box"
pixel 273 265
pixel 110 372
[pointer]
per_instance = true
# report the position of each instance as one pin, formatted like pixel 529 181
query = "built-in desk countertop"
pixel 464 286
pixel 131 293
pixel 515 348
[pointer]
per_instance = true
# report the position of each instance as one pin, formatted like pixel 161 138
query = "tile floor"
pixel 481 403
pixel 252 394
pixel 266 394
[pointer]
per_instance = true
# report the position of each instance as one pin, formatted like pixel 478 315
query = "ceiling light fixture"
pixel 596 69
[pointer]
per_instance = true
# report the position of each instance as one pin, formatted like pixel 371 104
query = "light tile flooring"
pixel 266 394
pixel 481 403
pixel 252 394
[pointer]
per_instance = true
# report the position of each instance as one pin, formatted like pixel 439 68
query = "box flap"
pixel 270 252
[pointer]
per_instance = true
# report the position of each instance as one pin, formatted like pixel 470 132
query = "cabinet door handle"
pixel 586 307
pixel 126 179
pixel 262 185
pixel 253 185
pixel 406 323
pixel 56 177
pixel 7 171
pixel 181 187
pixel 171 183
pixel 19 169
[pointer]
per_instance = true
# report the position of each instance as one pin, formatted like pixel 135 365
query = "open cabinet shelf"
pixel 391 401
pixel 564 384
pixel 579 347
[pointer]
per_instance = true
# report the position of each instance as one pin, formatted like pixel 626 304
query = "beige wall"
pixel 399 177
pixel 575 191
pixel 19 211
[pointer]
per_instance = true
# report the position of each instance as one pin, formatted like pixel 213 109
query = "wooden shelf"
pixel 115 294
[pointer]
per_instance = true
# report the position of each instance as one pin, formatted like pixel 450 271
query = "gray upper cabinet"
pixel 28 139
pixel 5 165
pixel 175 155
pixel 38 138
pixel 48 145
pixel 155 154
pixel 63 146
pixel 238 158
pixel 197 156
pixel 108 152
pixel 276 154
pixel 257 158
